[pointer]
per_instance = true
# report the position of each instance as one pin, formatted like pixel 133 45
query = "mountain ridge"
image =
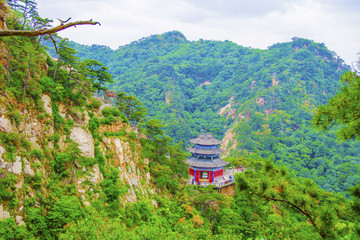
pixel 73 167
pixel 273 93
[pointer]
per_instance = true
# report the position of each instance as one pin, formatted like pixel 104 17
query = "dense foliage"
pixel 186 83
pixel 269 203
pixel 266 97
pixel 342 109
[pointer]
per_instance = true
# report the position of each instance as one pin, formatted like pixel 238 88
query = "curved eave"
pixel 210 163
pixel 205 142
pixel 205 139
pixel 215 151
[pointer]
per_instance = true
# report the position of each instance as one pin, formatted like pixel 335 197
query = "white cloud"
pixel 254 23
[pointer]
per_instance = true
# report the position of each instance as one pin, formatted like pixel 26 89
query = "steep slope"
pixel 187 82
pixel 264 99
pixel 62 150
pixel 31 148
pixel 71 166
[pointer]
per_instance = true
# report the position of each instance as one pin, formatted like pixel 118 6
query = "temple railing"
pixel 218 183
pixel 221 182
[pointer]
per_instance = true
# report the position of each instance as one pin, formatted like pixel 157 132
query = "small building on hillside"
pixel 205 164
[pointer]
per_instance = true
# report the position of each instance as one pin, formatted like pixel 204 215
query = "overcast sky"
pixel 250 23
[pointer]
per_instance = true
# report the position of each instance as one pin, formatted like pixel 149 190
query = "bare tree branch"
pixel 288 202
pixel 32 33
pixel 54 42
pixel 300 210
pixel 62 21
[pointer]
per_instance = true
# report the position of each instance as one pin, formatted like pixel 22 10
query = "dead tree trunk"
pixel 56 67
pixel 32 33
pixel 7 65
pixel 28 74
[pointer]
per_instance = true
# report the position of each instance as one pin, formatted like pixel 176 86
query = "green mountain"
pixel 72 167
pixel 185 83
pixel 263 99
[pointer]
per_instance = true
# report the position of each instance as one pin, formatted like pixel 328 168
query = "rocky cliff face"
pixel 37 142
pixel 3 10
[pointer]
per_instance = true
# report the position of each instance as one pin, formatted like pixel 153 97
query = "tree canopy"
pixel 343 109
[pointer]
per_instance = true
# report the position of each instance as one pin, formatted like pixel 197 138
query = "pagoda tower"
pixel 205 162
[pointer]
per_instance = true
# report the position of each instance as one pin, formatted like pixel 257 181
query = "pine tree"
pixel 66 56
pixel 342 109
pixel 99 75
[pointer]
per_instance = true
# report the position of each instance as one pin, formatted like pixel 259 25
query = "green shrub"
pixel 14 203
pixel 107 111
pixel 33 90
pixel 68 125
pixel 111 114
pixel 108 120
pixel 96 135
pixel 88 162
pixel 36 221
pixel 58 119
pixel 110 186
pixel 99 156
pixel 37 180
pixel 25 143
pixel 12 142
pixel 10 154
pixel 116 112
pixel 10 230
pixel 40 117
pixel 66 209
pixel 15 117
pixel 133 146
pixel 113 134
pixel 137 212
pixel 7 185
pixel 94 123
pixel 132 135
pixel 55 137
pixel 94 104
pixel 60 161
pixel 46 84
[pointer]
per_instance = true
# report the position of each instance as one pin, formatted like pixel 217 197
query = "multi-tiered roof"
pixel 206 153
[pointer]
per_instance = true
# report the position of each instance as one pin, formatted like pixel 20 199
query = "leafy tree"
pixel 342 109
pixel 355 193
pixel 97 72
pixel 66 56
pixel 267 184
pixel 28 8
pixel 154 127
pixel 131 107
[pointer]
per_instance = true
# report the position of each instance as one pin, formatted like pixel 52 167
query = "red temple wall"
pixel 219 173
pixel 211 175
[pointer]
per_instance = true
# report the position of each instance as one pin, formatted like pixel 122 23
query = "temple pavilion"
pixel 205 162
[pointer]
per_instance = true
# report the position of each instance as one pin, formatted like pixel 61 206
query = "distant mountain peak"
pixel 167 37
pixel 174 35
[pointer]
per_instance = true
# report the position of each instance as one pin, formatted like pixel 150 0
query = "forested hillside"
pixel 72 167
pixel 264 99
pixel 188 82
